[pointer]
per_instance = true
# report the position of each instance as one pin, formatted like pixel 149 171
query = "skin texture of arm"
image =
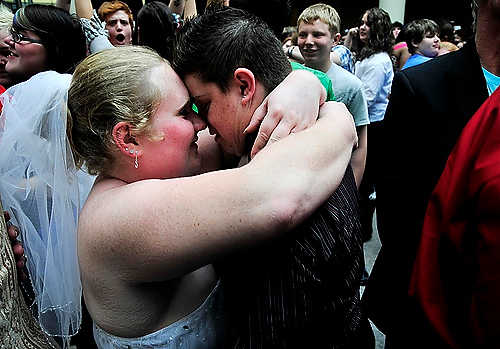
pixel 160 229
pixel 351 35
pixel 335 58
pixel 404 54
pixel 84 8
pixel 358 159
pixel 190 9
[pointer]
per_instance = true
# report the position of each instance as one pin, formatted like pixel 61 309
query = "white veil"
pixel 43 191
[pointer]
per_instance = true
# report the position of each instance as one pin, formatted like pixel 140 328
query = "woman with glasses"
pixel 44 38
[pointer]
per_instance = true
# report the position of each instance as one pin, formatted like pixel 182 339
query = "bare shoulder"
pixel 93 224
pixel 340 119
pixel 336 110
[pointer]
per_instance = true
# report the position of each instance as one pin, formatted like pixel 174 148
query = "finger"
pixel 257 117
pixel 6 215
pixel 266 128
pixel 259 144
pixel 283 129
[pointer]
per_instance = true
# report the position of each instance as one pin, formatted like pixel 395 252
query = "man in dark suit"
pixel 430 105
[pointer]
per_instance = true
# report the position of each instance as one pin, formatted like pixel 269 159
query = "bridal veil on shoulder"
pixel 44 192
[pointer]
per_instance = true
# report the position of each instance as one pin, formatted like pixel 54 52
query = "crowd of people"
pixel 174 179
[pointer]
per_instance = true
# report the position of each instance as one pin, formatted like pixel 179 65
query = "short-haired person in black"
pixel 302 290
pixel 422 37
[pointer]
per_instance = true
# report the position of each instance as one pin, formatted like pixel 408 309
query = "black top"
pixel 429 106
pixel 302 290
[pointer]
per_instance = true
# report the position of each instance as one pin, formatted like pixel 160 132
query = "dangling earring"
pixel 136 164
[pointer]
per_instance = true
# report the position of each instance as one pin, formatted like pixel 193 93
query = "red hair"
pixel 109 7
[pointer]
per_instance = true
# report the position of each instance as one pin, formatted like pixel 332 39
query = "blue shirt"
pixel 415 59
pixel 376 73
pixel 492 81
pixel 345 57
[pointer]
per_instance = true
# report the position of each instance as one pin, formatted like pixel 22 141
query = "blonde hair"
pixel 325 13
pixel 109 87
pixel 6 17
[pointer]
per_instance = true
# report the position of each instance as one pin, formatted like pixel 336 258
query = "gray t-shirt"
pixel 348 89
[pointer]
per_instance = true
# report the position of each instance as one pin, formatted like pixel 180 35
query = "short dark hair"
pixel 415 31
pixel 222 39
pixel 156 26
pixel 397 24
pixel 61 33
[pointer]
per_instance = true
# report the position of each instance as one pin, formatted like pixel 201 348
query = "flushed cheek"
pixel 181 133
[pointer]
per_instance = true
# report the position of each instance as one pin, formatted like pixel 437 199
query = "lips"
pixel 309 52
pixel 120 38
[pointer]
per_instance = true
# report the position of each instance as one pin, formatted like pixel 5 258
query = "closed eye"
pixel 203 110
pixel 186 109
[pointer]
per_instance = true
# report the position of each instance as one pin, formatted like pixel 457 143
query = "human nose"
pixel 9 41
pixel 309 39
pixel 198 123
pixel 3 59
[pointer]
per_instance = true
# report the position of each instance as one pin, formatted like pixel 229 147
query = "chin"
pixel 193 170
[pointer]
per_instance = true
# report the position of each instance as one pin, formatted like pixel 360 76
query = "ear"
pixel 415 44
pixel 246 82
pixel 336 39
pixel 124 139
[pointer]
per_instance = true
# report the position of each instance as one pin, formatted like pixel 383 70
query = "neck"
pixel 487 39
pixel 323 66
pixel 116 171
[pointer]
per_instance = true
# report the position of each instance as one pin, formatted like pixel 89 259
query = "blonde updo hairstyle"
pixel 109 87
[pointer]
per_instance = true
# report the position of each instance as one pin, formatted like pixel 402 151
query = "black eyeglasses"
pixel 19 38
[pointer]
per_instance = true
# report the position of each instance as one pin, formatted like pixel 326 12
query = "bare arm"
pixel 293 52
pixel 161 229
pixel 352 35
pixel 190 9
pixel 334 58
pixel 84 8
pixel 404 55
